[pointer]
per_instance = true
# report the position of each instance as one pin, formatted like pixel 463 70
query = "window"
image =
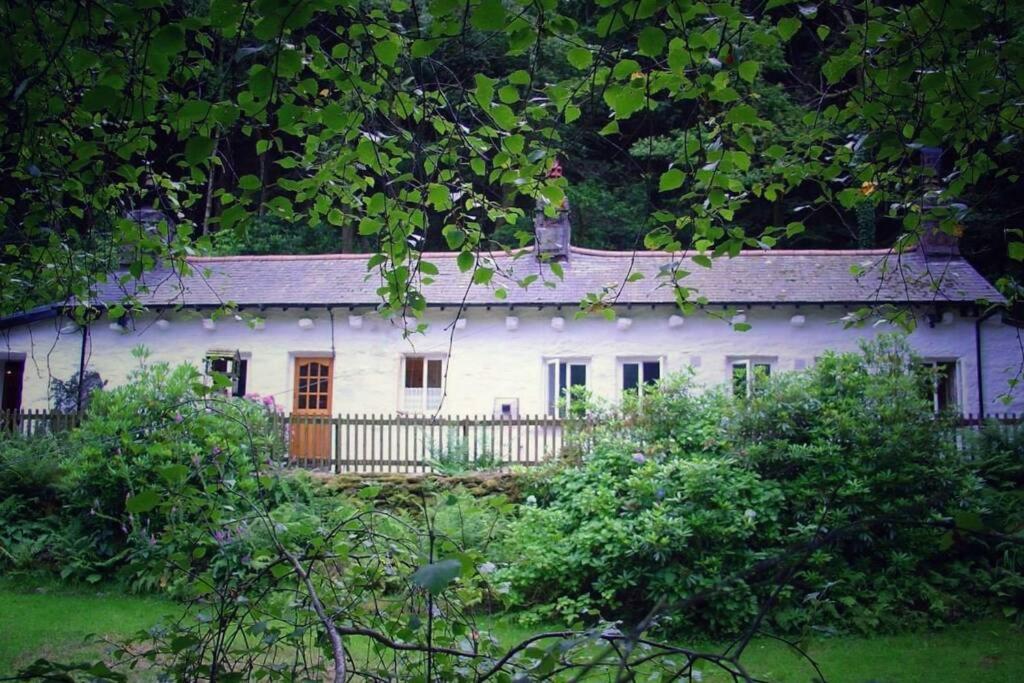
pixel 233 366
pixel 639 374
pixel 563 377
pixel 748 374
pixel 943 388
pixel 423 378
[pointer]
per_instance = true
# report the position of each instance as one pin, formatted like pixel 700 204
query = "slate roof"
pixel 752 277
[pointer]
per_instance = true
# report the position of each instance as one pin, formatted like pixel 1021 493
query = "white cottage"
pixel 316 343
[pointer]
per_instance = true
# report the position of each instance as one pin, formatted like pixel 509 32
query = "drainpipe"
pixel 81 369
pixel 977 361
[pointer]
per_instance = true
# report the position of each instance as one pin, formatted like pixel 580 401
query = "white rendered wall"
pixel 487 361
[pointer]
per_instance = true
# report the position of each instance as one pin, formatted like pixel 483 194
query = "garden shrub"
pixel 997 453
pixel 681 496
pixel 89 497
pixel 30 476
pixel 623 530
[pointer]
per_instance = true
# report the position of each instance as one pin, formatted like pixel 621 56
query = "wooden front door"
pixel 310 434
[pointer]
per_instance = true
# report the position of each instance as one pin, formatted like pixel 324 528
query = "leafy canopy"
pixel 360 115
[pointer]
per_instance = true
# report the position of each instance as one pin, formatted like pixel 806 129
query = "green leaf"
pixel 1016 251
pixel 465 260
pixel 174 473
pixel 503 116
pixel 671 179
pixel 168 40
pixel 788 26
pixel 386 51
pixel 435 577
pixel 423 48
pixel 439 197
pixel 651 41
pixel 624 100
pixel 837 67
pixel 143 502
pixel 743 114
pixel 249 182
pixel 224 14
pixel 198 149
pixel 489 15
pixel 748 70
pixel 556 268
pixel 580 58
pixel 369 226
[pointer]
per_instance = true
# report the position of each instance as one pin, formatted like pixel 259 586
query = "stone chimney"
pixel 552 232
pixel 934 242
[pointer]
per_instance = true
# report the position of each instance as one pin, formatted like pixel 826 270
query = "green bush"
pixel 87 499
pixel 997 453
pixel 843 467
pixel 30 475
pixel 612 537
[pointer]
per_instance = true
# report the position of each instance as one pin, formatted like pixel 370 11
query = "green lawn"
pixel 53 622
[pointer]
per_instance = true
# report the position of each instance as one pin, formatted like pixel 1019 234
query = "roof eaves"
pixel 30 316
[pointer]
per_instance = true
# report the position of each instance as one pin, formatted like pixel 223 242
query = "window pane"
pixel 578 375
pixel 434 399
pixel 762 370
pixel 303 386
pixel 434 374
pixel 219 364
pixel 630 376
pixel 304 370
pixel 240 382
pixel 552 388
pixel 413 398
pixel 323 386
pixel 413 372
pixel 945 387
pixel 739 379
pixel 652 372
pixel 561 379
pixel 323 402
pixel 302 401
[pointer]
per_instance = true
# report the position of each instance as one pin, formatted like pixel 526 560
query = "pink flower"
pixel 179 418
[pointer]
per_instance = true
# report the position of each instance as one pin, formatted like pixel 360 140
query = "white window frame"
pixel 429 398
pixel 554 406
pixel 642 383
pixel 751 362
pixel 954 382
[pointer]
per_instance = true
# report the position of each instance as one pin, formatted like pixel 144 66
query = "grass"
pixel 43 620
pixel 47 621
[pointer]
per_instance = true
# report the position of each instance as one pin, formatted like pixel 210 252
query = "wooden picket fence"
pixel 387 443
pixel 419 444
pixel 36 422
